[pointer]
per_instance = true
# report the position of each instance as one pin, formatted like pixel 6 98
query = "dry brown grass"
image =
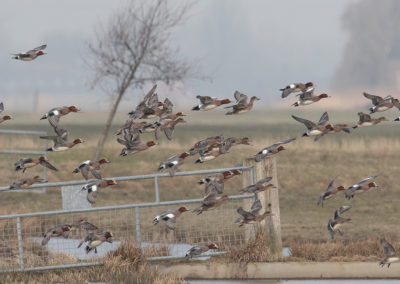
pixel 304 169
pixel 125 265
pixel 358 250
pixel 256 250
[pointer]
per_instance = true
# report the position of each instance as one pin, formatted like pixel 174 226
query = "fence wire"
pixel 128 225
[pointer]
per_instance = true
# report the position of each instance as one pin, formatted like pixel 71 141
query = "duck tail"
pixel 155 220
pixel 198 161
pixel 347 130
pixel 196 108
pixel 355 126
pixel 296 104
pixel 49 149
pixel 44 116
pixel 229 113
pixel 76 170
pixel 321 202
pixel 88 249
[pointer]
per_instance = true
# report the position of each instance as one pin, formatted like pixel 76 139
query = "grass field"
pixel 304 170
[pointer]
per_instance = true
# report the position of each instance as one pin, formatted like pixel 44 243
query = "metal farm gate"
pixel 21 234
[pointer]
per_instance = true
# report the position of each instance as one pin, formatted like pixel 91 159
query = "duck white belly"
pixel 366 124
pixel 306 102
pixel 207 158
pixel 29 165
pixel 60 148
pixel 208 107
pixel 393 259
pixel 95 244
pixel 314 132
pixel 381 108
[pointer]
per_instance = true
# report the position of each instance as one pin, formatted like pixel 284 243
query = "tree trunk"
pixel 104 134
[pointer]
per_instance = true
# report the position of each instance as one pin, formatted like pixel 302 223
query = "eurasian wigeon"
pixel 367 120
pixel 131 125
pixel 261 185
pixel 61 142
pixel 173 163
pixel 314 129
pixel 296 88
pixel 390 254
pixel 31 54
pixel 360 187
pixel 204 144
pixel 168 127
pixel 308 98
pixel 6 117
pixel 271 150
pixel 24 183
pixel 207 103
pixel 197 250
pixel 53 115
pixel 150 127
pixel 216 182
pixel 58 231
pixel 93 188
pixel 151 113
pixel 254 214
pixel 210 201
pixel 381 104
pixel 94 240
pixel 148 104
pixel 26 163
pixel 338 221
pixel 241 106
pixel 329 192
pixel 339 127
pixel 169 217
pixel 171 117
pixel 214 151
pixel 135 145
pixel 92 167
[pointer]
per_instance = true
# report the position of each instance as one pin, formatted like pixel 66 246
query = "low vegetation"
pixel 125 265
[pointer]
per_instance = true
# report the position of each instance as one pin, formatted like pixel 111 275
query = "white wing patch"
pixel 170 215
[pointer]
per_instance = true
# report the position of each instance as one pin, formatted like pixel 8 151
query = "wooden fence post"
pixel 271 225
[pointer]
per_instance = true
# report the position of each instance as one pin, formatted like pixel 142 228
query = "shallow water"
pixel 69 246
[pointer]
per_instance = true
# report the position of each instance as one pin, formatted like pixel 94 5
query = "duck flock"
pixel 207 149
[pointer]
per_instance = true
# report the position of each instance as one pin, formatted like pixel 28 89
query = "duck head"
pixel 73 108
pixel 78 141
pixel 213 246
pixel 111 182
pixel 151 143
pixel 183 209
pixel 104 161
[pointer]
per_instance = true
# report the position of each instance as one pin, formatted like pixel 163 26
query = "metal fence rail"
pixel 21 234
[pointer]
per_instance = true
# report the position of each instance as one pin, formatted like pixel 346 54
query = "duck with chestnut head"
pixel 198 250
pixel 242 105
pixel 31 54
pixel 92 167
pixel 169 217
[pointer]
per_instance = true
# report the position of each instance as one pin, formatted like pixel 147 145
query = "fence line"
pixel 22 233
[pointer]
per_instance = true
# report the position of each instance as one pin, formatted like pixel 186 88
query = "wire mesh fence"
pixel 21 235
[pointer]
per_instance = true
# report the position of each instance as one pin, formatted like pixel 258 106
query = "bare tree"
pixel 134 48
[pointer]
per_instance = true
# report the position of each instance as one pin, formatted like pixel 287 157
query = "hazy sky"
pixel 254 46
